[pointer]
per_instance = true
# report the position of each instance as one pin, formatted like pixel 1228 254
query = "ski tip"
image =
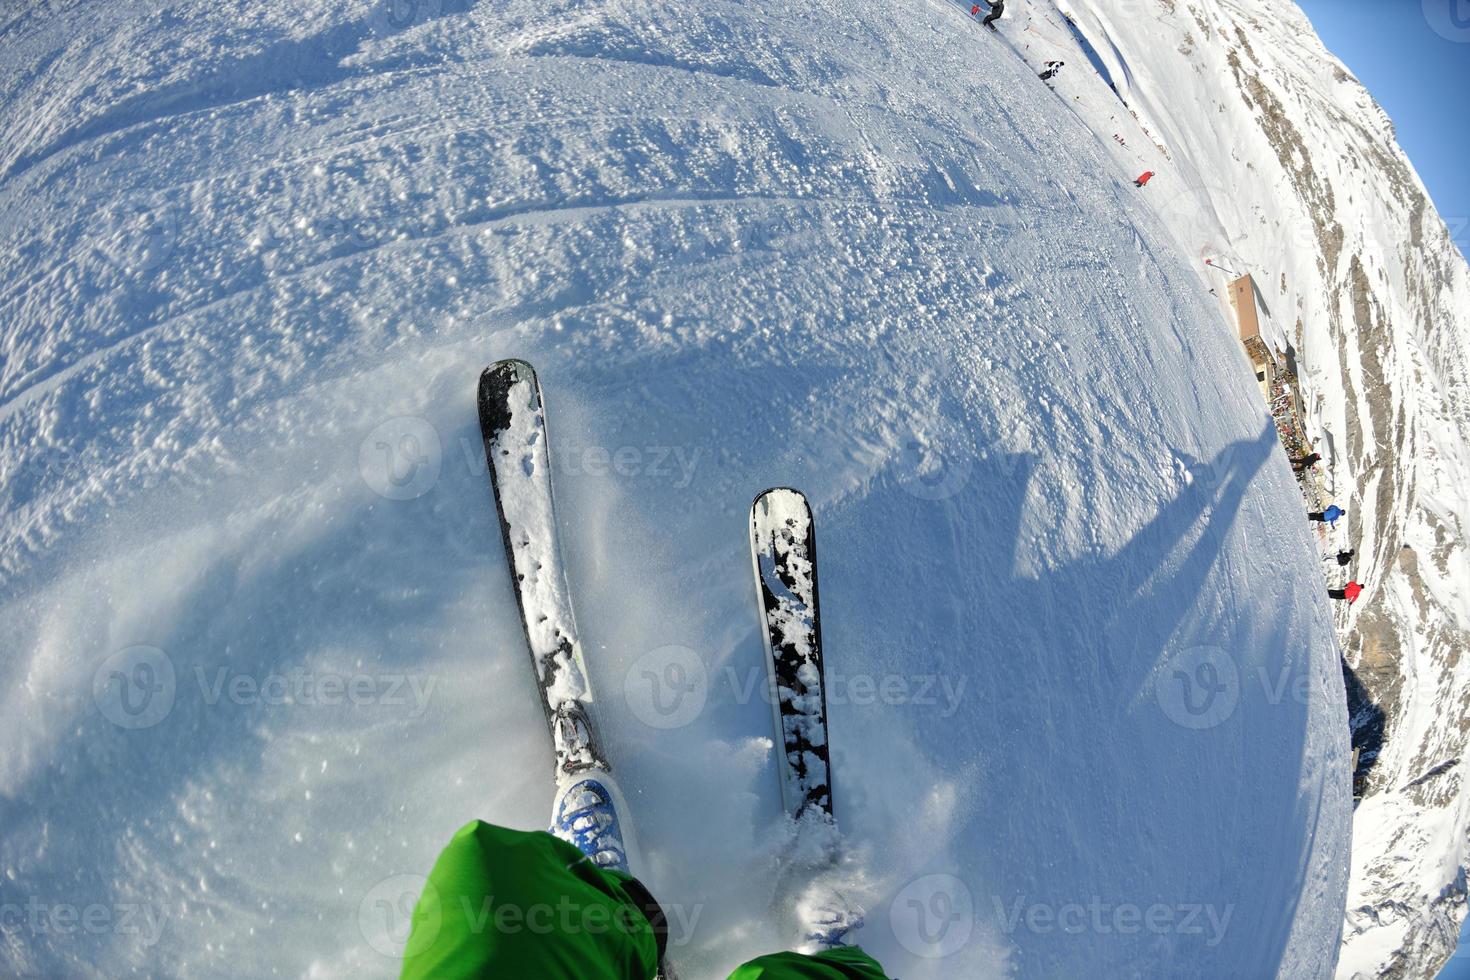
pixel 496 384
pixel 507 372
pixel 780 497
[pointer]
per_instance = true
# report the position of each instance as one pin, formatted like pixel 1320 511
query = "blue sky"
pixel 1414 56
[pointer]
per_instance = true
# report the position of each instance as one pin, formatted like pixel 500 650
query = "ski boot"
pixel 585 815
pixel 826 925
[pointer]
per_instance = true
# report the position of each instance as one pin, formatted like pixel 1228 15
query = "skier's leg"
pixel 509 903
pixel 839 963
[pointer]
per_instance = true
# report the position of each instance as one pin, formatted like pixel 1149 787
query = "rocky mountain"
pixel 1273 160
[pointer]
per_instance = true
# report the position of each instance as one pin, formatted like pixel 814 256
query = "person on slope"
pixel 562 905
pixel 1343 557
pixel 1144 178
pixel 1350 592
pixel 997 8
pixel 1306 462
pixel 1051 69
pixel 1329 516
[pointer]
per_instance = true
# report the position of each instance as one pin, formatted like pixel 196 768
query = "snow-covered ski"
pixel 820 889
pixel 513 424
pixel 784 553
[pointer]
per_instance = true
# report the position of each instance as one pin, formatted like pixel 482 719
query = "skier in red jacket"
pixel 1349 592
pixel 1144 178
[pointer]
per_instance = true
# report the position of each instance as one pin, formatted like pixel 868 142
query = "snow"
pixel 1086 710
pixel 1280 164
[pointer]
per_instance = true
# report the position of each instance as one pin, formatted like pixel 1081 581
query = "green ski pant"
pixel 513 904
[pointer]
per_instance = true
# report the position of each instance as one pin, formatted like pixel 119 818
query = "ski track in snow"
pixel 258 262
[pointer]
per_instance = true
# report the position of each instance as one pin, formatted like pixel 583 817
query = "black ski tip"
pixel 495 384
pixel 502 374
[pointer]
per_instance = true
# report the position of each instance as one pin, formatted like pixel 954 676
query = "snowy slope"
pixel 1273 160
pixel 260 654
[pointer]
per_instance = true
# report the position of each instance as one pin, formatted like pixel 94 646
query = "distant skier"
pixel 1051 69
pixel 1306 462
pixel 1329 516
pixel 577 911
pixel 1343 557
pixel 1350 592
pixel 1144 178
pixel 997 8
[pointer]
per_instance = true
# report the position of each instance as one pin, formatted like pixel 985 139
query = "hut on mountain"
pixel 1242 294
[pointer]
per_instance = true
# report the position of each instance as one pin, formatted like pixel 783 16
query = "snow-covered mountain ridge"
pixel 1274 160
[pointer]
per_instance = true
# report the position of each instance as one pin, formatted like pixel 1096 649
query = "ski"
pixel 588 803
pixel 513 425
pixel 819 888
pixel 783 551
